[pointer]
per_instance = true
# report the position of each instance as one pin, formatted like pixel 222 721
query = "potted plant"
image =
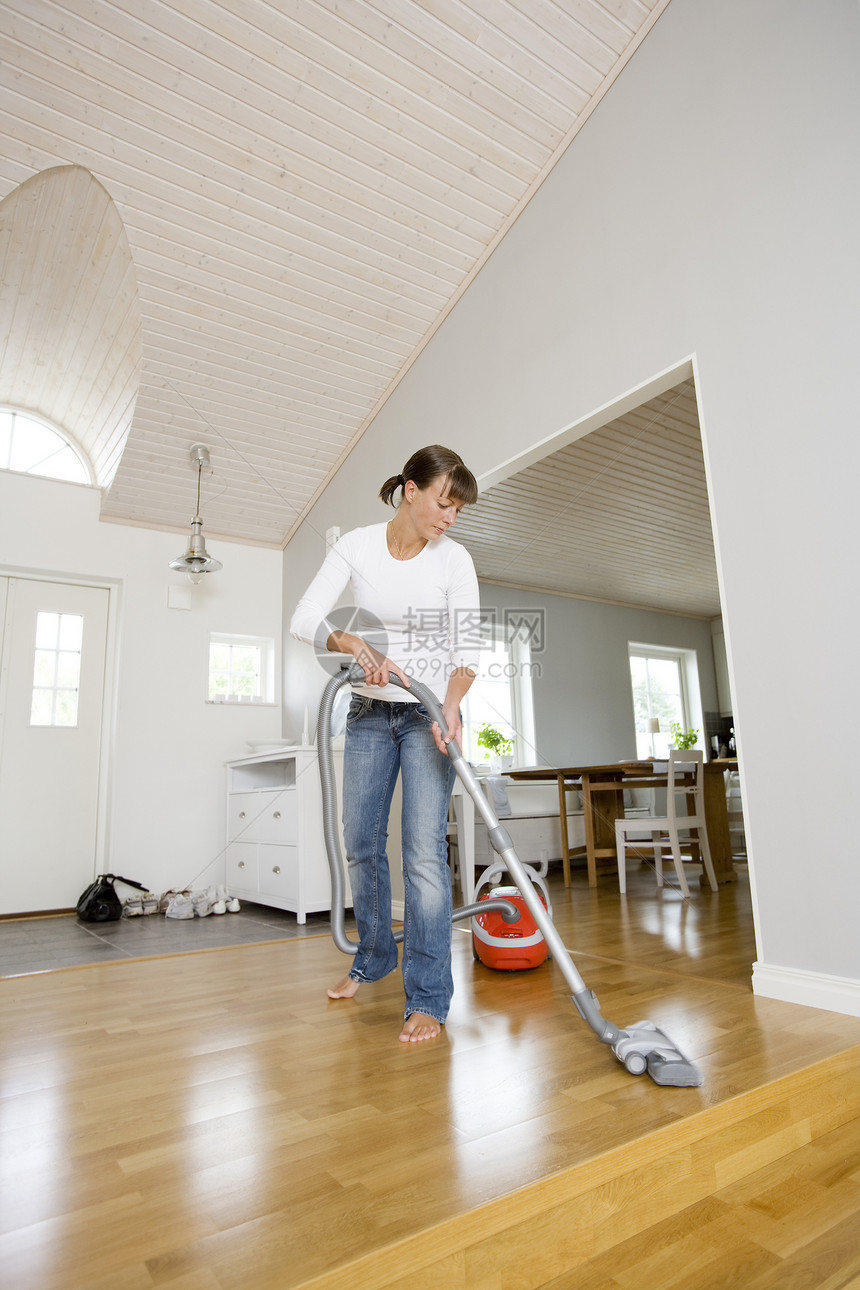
pixel 683 738
pixel 495 743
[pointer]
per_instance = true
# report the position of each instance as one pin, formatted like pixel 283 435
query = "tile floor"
pixel 30 945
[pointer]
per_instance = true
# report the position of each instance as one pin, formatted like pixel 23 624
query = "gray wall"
pixel 707 208
pixel 583 701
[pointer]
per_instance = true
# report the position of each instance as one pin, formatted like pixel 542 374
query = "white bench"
pixel 532 823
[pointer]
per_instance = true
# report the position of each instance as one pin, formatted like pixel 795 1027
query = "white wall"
pixel 708 207
pixel 168 746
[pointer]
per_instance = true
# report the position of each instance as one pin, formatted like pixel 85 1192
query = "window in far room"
pixel 665 690
pixel 501 694
pixel 33 447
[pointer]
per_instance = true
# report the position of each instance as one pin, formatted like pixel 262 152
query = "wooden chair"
pixel 735 815
pixel 685 809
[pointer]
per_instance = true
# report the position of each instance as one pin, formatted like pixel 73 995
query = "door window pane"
pixel 68 669
pixel 56 669
pixel 66 708
pixel 47 631
pixel 70 632
pixel 43 670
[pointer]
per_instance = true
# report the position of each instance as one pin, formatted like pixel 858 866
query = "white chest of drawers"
pixel 275 845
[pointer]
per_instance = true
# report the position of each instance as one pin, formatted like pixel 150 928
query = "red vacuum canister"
pixel 508 947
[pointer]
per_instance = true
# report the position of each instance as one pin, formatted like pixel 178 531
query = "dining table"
pixel 602 787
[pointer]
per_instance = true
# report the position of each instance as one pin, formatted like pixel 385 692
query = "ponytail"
pixel 390 487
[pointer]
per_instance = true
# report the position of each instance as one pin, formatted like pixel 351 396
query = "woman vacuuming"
pixel 416 595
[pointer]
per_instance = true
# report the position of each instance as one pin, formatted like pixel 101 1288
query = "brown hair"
pixel 428 464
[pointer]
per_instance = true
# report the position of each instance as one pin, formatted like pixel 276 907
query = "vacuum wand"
pixel 640 1047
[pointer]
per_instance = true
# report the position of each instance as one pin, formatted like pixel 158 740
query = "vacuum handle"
pixel 423 694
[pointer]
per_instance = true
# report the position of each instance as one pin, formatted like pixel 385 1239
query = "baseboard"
pixel 814 989
pixel 36 913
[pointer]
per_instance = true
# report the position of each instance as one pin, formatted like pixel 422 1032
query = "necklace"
pixel 400 554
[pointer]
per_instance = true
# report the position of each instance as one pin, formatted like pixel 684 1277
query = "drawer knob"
pixel 276 869
pixel 241 864
pixel 241 815
pixel 276 815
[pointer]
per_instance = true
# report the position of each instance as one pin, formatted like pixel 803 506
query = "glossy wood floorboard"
pixel 793 1225
pixel 213 1122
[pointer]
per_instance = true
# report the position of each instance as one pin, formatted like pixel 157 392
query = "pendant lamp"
pixel 195 560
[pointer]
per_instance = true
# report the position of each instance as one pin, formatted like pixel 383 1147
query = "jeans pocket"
pixel 427 716
pixel 359 705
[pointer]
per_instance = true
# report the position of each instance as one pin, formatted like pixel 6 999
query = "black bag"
pixel 100 903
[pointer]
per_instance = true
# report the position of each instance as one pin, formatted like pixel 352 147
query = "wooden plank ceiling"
pixel 621 514
pixel 305 189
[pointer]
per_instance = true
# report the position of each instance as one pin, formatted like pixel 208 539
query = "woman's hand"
pixel 451 713
pixel 458 683
pixel 377 668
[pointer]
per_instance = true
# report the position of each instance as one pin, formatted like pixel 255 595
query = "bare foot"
pixel 418 1026
pixel 345 989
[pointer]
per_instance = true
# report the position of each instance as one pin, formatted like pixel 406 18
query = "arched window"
pixel 34 447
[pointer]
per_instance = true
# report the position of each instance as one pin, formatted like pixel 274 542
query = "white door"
pixel 52 669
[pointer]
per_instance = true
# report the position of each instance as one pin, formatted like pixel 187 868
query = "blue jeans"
pixel 381 739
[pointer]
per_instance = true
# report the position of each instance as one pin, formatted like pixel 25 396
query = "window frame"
pixel 521 692
pixel 55 690
pixel 686 661
pixel 20 414
pixel 267 672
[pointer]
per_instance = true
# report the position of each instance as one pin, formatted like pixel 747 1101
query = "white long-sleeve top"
pixel 423 613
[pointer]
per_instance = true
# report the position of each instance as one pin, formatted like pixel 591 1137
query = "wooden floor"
pixel 212 1122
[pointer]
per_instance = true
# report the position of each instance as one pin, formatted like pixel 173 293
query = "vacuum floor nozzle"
pixel 644 1047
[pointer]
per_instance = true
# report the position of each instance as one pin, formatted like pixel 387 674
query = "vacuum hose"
pixel 354 675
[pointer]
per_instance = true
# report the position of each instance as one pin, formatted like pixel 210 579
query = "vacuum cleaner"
pixel 499 945
pixel 640 1047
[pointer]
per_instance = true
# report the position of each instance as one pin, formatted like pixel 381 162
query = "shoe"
pixel 166 898
pixel 132 906
pixel 179 905
pixel 203 902
pixel 233 905
pixel 220 907
pixel 149 902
